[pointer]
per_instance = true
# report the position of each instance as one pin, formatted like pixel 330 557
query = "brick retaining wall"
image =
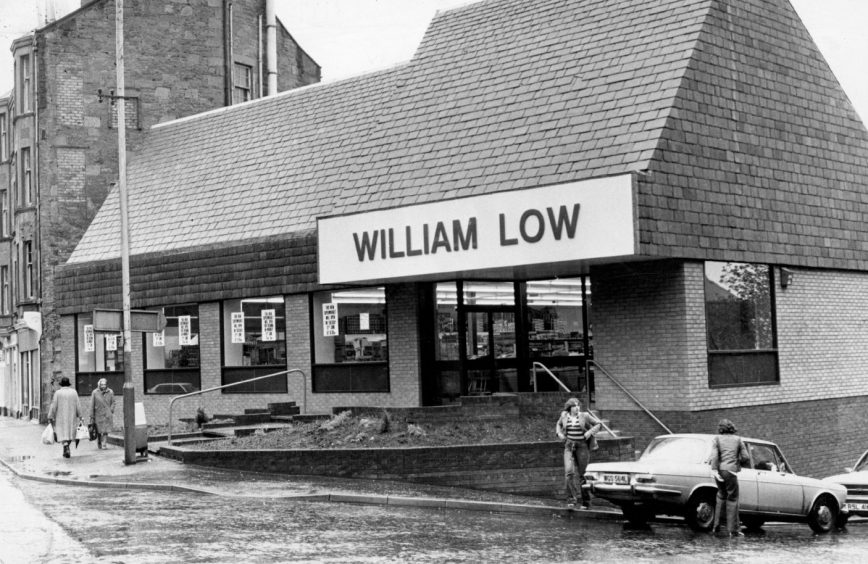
pixel 518 468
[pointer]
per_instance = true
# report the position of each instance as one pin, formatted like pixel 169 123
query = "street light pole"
pixel 129 389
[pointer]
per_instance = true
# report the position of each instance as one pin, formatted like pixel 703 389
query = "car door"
pixel 778 489
pixel 747 488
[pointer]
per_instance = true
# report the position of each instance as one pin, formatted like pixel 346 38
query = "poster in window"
pixel 237 327
pixel 88 338
pixel 111 342
pixel 184 330
pixel 364 322
pixel 160 338
pixel 269 332
pixel 330 320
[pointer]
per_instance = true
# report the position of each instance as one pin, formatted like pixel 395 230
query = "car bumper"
pixel 632 493
pixel 855 508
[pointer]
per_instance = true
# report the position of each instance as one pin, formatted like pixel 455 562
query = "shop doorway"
pixel 487 337
pixel 491 350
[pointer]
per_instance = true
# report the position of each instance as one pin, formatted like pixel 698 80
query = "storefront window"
pixel 556 336
pixel 172 355
pixel 447 322
pixel 100 355
pixel 350 341
pixel 254 344
pixel 740 324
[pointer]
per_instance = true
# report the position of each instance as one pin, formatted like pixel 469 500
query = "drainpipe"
pixel 259 55
pixel 271 46
pixel 228 56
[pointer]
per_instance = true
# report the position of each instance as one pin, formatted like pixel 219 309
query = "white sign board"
pixel 237 327
pixel 88 338
pixel 111 342
pixel 575 221
pixel 364 322
pixel 184 337
pixel 330 320
pixel 269 331
pixel 159 338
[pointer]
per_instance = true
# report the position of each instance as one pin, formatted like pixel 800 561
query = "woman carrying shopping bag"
pixel 102 402
pixel 64 414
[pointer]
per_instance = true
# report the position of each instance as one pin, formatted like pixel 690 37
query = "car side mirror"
pixel 848 470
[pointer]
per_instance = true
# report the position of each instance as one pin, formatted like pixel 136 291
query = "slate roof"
pixel 741 132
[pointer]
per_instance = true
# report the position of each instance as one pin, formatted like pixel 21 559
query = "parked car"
pixel 176 388
pixel 672 477
pixel 856 481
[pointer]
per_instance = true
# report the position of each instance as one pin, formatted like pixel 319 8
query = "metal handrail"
pixel 566 388
pixel 550 373
pixel 287 372
pixel 623 389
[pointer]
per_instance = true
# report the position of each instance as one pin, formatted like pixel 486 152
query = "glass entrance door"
pixel 491 350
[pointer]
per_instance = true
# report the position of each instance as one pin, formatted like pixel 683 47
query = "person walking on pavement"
pixel 728 454
pixel 64 414
pixel 577 429
pixel 102 409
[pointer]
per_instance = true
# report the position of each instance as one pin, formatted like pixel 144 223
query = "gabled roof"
pixel 507 94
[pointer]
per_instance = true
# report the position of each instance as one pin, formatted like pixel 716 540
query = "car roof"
pixel 709 436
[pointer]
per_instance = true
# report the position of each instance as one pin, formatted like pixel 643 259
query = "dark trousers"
pixel 576 458
pixel 727 496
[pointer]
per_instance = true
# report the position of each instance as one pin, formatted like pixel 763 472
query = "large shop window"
pixel 99 355
pixel 350 341
pixel 740 324
pixel 172 355
pixel 254 344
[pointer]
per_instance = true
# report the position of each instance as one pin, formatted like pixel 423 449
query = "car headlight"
pixel 644 479
pixel 591 477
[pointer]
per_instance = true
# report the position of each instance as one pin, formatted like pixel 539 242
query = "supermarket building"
pixel 672 193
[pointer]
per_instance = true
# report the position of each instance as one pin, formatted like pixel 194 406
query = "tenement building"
pixel 58 147
pixel 661 203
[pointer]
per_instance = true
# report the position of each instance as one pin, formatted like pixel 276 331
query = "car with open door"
pixel 673 477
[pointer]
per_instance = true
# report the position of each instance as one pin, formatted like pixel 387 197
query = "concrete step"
pixel 283 408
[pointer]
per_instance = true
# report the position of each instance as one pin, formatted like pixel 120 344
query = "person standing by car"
pixel 64 414
pixel 102 409
pixel 728 454
pixel 577 429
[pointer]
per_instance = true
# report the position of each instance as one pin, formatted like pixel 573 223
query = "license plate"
pixel 856 506
pixel 619 479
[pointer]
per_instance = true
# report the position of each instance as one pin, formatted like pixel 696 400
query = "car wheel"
pixel 637 514
pixel 699 512
pixel 823 515
pixel 752 522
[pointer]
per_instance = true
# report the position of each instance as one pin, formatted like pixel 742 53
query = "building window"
pixel 243 84
pixel 350 341
pixel 26 177
pixel 24 78
pixel 29 274
pixel 740 324
pixel 4 213
pixel 172 355
pixel 98 355
pixel 4 137
pixel 4 290
pixel 254 344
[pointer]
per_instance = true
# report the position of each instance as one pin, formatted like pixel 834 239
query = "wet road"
pixel 140 527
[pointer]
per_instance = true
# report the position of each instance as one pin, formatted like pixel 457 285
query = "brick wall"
pixel 526 468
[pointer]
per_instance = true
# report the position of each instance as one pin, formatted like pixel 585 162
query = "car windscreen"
pixel 862 465
pixel 676 449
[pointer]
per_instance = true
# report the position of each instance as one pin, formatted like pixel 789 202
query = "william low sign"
pixel 575 221
pixel 143 321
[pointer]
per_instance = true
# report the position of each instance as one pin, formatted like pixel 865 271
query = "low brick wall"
pixel 518 468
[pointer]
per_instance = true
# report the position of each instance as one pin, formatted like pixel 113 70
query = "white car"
pixel 176 388
pixel 672 477
pixel 856 482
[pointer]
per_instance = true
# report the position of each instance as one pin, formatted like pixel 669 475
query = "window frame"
pixel 26 183
pixel 245 91
pixel 716 357
pixel 86 381
pixel 29 270
pixel 230 374
pixel 177 375
pixel 361 376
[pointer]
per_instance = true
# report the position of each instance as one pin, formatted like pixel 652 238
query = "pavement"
pixel 22 452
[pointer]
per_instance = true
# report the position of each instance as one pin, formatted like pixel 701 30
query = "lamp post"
pixel 129 389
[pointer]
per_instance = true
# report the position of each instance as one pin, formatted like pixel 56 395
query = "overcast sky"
pixel 349 37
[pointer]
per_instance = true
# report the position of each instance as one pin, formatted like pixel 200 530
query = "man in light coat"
pixel 64 414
